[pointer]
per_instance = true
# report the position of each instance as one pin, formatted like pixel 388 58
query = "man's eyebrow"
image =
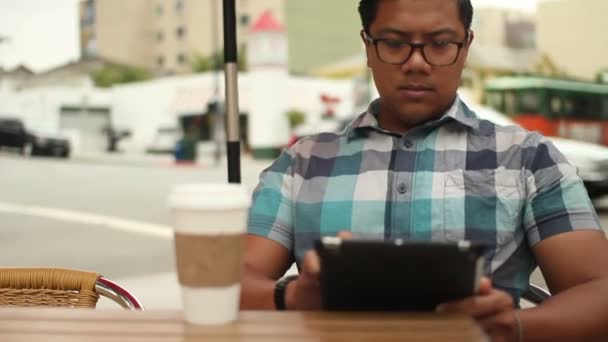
pixel 389 30
pixel 445 30
pixel 441 31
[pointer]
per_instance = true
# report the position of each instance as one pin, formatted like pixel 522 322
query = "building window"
pixel 160 36
pixel 91 48
pixel 179 6
pixel 89 15
pixel 180 32
pixel 160 61
pixel 181 58
pixel 159 9
pixel 244 20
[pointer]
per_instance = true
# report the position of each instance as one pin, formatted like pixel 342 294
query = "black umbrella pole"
pixel 233 148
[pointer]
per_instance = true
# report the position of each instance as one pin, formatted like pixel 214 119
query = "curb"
pixel 136 160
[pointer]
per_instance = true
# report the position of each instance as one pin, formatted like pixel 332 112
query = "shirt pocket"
pixel 483 205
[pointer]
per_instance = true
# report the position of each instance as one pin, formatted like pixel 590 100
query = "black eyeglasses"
pixel 436 53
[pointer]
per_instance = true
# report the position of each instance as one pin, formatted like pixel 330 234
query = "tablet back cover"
pixel 368 275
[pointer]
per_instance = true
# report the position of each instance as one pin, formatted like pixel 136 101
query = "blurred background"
pixel 105 104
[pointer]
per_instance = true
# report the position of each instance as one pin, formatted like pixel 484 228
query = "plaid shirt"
pixel 458 177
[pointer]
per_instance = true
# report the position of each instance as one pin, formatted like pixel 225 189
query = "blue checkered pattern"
pixel 455 178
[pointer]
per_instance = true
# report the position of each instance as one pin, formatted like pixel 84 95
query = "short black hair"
pixel 369 8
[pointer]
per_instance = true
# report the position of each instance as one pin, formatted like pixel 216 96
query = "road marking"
pixel 137 227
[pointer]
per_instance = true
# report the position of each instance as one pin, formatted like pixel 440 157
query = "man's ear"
pixel 366 43
pixel 467 46
pixel 362 35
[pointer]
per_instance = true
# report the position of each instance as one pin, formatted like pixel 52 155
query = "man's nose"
pixel 416 62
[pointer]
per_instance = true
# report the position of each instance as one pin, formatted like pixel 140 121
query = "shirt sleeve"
pixel 270 214
pixel 557 201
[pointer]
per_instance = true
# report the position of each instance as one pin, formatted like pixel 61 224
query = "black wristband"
pixel 279 291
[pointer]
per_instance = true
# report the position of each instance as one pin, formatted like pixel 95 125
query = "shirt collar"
pixel 458 112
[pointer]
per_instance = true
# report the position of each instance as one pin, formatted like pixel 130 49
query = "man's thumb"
pixel 346 235
pixel 485 285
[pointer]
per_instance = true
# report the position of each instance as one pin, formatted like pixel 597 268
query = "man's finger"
pixel 311 264
pixel 485 286
pixel 479 306
pixel 504 321
pixel 345 235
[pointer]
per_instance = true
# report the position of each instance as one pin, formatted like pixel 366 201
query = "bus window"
pixel 595 107
pixel 495 100
pixel 510 103
pixel 530 102
pixel 604 109
pixel 582 107
pixel 568 106
pixel 555 106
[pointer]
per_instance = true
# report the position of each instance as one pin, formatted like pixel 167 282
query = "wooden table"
pixel 50 325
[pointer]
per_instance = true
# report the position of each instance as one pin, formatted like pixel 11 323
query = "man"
pixel 420 165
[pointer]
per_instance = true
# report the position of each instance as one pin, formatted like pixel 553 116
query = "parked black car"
pixel 14 136
pixel 49 146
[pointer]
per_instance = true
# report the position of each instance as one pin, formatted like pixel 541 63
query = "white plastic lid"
pixel 209 197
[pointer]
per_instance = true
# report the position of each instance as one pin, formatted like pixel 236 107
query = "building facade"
pixel 14 80
pixel 321 32
pixel 121 31
pixel 162 35
pixel 506 28
pixel 573 34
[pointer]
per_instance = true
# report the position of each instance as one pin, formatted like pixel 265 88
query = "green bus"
pixel 554 107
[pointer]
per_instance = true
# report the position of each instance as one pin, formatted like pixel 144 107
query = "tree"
pixel 215 61
pixel 295 118
pixel 602 76
pixel 110 75
pixel 200 63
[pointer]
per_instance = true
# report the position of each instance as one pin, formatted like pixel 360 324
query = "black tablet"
pixel 396 275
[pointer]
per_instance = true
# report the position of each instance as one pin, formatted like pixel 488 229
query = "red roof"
pixel 267 23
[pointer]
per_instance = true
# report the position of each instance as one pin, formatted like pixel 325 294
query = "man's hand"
pixel 304 293
pixel 492 309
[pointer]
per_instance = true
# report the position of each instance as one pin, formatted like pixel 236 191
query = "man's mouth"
pixel 416 87
pixel 414 91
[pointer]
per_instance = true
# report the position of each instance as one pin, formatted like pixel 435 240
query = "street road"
pixel 106 216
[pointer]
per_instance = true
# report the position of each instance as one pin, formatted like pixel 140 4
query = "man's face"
pixel 415 91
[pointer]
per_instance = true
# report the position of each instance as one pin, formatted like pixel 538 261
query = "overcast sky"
pixel 44 33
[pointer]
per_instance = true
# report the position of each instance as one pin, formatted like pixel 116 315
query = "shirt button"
pixel 402 188
pixel 408 144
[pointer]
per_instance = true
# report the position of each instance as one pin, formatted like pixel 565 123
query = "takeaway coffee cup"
pixel 209 222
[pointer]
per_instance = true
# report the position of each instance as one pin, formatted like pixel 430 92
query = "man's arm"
pixel 571 250
pixel 575 266
pixel 265 262
pixel 266 259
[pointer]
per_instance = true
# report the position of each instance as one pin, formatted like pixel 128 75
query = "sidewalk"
pixel 162 160
pixel 134 159
pixel 248 164
pixel 250 168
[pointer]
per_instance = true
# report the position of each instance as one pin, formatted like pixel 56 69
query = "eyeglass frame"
pixel 416 46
